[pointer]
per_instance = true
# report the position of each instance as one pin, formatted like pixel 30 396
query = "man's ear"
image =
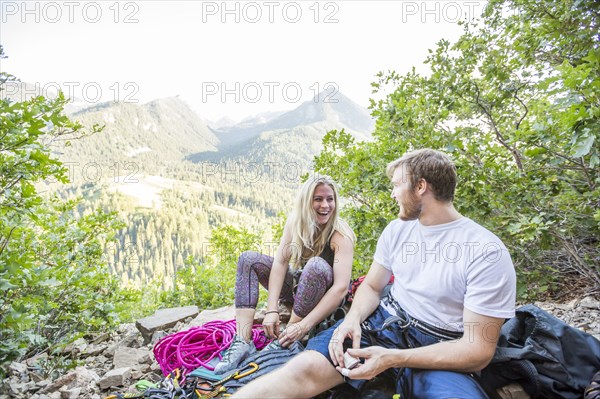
pixel 422 186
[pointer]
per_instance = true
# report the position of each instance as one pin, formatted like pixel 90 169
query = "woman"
pixel 315 253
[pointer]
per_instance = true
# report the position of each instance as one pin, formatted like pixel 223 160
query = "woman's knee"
pixel 317 265
pixel 247 259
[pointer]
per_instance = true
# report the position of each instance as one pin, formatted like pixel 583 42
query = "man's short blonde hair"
pixel 432 166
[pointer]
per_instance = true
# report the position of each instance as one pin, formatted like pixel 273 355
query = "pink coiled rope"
pixel 187 350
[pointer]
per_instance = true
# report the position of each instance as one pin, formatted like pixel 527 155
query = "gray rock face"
pixel 163 319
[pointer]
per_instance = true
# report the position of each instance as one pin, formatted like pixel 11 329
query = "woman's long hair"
pixel 308 237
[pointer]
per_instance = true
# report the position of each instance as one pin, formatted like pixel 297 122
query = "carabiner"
pixel 252 368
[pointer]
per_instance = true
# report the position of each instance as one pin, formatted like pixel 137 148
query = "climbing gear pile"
pixel 187 350
pixel 174 387
pixel 170 387
pixel 187 360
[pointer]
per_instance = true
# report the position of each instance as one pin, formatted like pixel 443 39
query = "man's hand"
pixel 348 329
pixel 375 363
pixel 271 325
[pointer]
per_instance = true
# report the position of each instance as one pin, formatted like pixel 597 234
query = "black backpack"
pixel 549 358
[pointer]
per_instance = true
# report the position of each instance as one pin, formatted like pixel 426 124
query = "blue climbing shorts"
pixel 426 384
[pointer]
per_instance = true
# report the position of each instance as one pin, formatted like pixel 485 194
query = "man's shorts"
pixel 411 383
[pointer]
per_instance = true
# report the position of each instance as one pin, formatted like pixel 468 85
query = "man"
pixel 454 284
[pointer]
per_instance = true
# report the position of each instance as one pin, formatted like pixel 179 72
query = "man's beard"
pixel 411 208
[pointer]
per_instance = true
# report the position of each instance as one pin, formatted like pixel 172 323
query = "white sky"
pixel 143 50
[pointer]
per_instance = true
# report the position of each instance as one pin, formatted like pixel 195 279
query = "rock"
pixel 513 391
pixel 37 359
pixel 130 357
pixel 101 359
pixel 36 377
pixel 93 350
pixel 30 386
pixel 589 303
pixel 136 374
pixel 15 388
pixel 42 384
pixel 155 367
pixel 284 315
pixel 116 377
pixel 101 338
pixel 573 304
pixel 130 341
pixel 583 326
pixel 17 369
pixel 70 393
pixel 77 346
pixel 163 319
pixel 157 336
pixel 85 378
pixel 59 383
pixel 80 377
pixel 224 313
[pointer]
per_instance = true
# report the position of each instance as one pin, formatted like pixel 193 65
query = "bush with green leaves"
pixel 54 280
pixel 515 101
pixel 210 282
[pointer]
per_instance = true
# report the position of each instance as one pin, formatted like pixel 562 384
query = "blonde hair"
pixel 308 238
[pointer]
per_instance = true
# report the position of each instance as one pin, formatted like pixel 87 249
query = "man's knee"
pixel 309 365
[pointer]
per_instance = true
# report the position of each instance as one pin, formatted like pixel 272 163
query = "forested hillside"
pixel 172 179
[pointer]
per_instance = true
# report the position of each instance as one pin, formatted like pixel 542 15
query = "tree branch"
pixel 5 240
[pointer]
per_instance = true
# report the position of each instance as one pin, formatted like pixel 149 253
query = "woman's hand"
pixel 292 333
pixel 271 325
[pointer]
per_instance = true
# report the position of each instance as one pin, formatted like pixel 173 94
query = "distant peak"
pixel 331 95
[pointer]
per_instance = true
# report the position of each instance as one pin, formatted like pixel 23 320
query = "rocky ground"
pixel 115 362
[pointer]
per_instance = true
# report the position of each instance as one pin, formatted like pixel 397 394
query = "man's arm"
pixel 470 353
pixel 367 296
pixel 365 302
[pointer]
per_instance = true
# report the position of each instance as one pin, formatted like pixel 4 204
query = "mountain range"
pixel 172 176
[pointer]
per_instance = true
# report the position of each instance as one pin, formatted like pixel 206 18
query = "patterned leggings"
pixel 254 268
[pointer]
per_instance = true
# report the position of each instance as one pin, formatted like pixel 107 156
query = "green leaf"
pixel 583 146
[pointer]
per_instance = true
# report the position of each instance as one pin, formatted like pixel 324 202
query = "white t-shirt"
pixel 438 270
